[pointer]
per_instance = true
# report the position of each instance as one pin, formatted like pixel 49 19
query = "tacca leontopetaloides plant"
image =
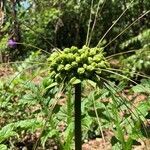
pixel 73 65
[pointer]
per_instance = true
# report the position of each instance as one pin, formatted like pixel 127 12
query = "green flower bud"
pixel 67 67
pixel 63 56
pixel 94 64
pixel 90 60
pixel 90 68
pixel 102 64
pixel 70 57
pixel 81 51
pixel 96 58
pixel 85 66
pixel 81 70
pixel 54 55
pixel 99 50
pixel 78 59
pixel 92 52
pixel 85 48
pixel 76 55
pixel 58 60
pixel 74 64
pixel 60 67
pixel 74 49
pixel 66 50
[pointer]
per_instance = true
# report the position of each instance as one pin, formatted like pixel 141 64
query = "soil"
pixel 5 71
pixel 93 144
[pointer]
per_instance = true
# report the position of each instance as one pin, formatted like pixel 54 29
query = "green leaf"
pixel 141 89
pixel 143 108
pixel 144 87
pixel 116 146
pixel 7 132
pixel 86 122
pixel 3 147
pixel 51 85
pixel 47 134
pixel 74 81
pixel 31 124
pixel 92 83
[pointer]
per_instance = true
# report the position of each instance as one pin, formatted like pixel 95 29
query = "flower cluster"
pixel 73 63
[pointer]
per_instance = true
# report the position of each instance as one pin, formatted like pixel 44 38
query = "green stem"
pixel 77 108
pixel 69 108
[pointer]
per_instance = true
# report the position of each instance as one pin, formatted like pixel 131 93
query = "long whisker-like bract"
pixel 95 19
pixel 112 26
pixel 89 23
pixel 127 28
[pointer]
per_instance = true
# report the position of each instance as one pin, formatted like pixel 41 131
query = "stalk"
pixel 69 108
pixel 77 108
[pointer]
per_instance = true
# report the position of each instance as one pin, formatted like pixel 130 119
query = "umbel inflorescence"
pixel 74 64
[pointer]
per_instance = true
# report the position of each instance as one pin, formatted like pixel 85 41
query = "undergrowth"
pixel 37 103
